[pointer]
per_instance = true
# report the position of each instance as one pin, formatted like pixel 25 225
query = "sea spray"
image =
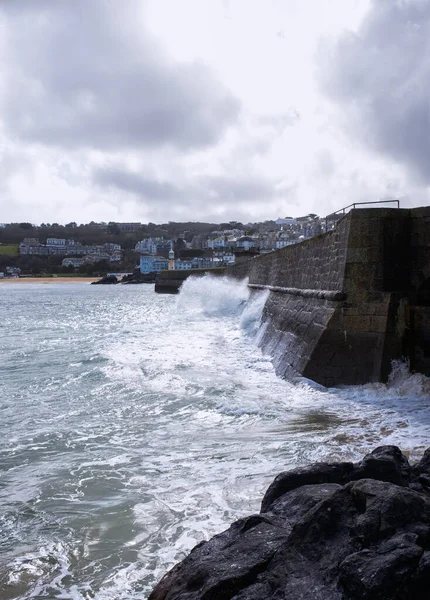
pixel 212 296
pixel 250 319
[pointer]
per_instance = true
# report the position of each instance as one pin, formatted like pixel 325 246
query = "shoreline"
pixel 48 280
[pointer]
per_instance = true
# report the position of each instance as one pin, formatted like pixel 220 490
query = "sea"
pixel 135 425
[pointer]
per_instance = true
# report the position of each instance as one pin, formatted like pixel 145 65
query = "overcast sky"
pixel 213 110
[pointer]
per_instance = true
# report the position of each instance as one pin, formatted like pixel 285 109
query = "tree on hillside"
pixel 114 228
pixel 179 245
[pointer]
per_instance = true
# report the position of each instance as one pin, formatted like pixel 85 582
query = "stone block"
pixel 356 323
pixel 365 233
pixel 416 239
pixel 361 342
pixel 331 371
pixel 356 255
pixel 366 309
pixel 351 308
pixel 378 324
pixel 420 212
pixel 361 276
pixel 364 254
pixel 333 337
pixel 341 359
pixel 378 296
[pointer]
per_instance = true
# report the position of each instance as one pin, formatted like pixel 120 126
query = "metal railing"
pixel 342 211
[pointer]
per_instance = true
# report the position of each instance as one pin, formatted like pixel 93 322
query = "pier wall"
pixel 343 305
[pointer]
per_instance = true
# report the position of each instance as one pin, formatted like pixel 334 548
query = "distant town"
pixel 96 249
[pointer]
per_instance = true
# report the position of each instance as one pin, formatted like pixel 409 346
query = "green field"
pixel 9 249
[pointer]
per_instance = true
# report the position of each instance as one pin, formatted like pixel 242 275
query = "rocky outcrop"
pixel 138 278
pixel 325 532
pixel 106 280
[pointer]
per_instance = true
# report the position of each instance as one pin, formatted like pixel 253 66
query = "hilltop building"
pixel 286 221
pixel 130 227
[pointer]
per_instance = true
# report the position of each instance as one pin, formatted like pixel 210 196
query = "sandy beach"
pixel 49 280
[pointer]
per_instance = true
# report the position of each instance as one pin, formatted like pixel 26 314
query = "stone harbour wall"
pixel 314 264
pixel 337 310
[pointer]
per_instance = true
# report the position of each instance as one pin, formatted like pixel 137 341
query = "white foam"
pixel 250 320
pixel 212 296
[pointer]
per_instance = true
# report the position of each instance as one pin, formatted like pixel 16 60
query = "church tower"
pixel 171 259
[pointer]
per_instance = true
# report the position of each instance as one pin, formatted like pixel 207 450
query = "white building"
pixel 72 262
pixel 282 243
pixel 223 258
pixel 129 226
pixel 110 247
pixel 217 243
pixel 183 265
pixel 286 221
pixel 55 242
pixel 115 256
pixel 146 246
pixel 202 262
pixel 246 242
pixel 153 264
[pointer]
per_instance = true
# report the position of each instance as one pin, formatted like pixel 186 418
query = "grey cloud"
pixel 229 189
pixel 135 183
pixel 381 78
pixel 226 191
pixel 324 164
pixel 86 74
pixel 12 163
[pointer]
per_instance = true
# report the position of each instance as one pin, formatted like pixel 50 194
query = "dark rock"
pixel 138 278
pixel 326 532
pixel 317 473
pixel 385 463
pixel 293 505
pixel 242 553
pixel 422 574
pixel 107 280
pixel 371 573
pixel 423 467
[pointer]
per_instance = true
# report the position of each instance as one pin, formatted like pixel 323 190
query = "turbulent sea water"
pixel 134 425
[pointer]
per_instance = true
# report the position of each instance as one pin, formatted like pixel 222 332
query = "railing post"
pixel 355 204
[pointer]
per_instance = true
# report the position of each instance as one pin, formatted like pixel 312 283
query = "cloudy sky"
pixel 214 110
